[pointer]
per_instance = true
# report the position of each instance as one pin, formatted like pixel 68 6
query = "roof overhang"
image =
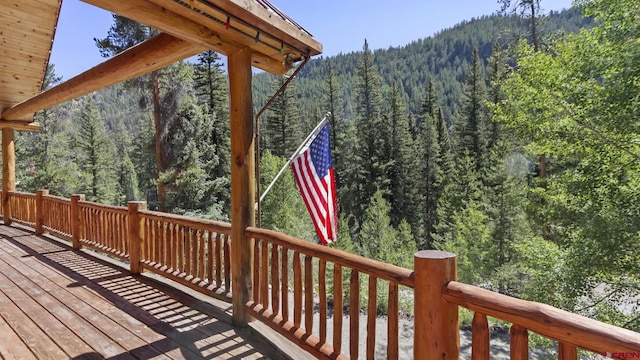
pixel 27 28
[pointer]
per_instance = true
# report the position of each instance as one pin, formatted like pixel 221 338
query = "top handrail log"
pixel 56 198
pixel 22 194
pixel 98 206
pixel 377 268
pixel 217 226
pixel 544 319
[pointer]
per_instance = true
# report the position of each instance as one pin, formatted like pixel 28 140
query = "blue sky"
pixel 340 25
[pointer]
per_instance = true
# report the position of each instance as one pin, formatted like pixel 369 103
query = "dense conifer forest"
pixel 513 146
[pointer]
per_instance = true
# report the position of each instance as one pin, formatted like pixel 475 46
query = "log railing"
pixel 57 217
pixel 294 280
pixel 23 208
pixel 571 331
pixel 194 252
pixel 289 306
pixel 104 228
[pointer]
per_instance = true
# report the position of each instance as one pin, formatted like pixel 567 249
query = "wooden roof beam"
pixel 150 55
pixel 19 125
pixel 165 20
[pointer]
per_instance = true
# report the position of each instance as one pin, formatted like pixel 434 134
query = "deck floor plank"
pixel 11 346
pixel 88 308
pixel 42 346
pixel 54 317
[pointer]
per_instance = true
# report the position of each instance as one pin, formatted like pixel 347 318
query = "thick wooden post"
pixel 76 220
pixel 436 333
pixel 242 181
pixel 40 211
pixel 8 171
pixel 135 235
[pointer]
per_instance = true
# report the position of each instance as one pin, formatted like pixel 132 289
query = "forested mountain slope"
pixel 443 56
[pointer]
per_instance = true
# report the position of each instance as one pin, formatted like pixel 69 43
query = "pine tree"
pixel 471 126
pixel 431 175
pixel 43 159
pixel 164 93
pixel 332 102
pixel 95 156
pixel 372 159
pixel 127 176
pixel 283 129
pixel 403 174
pixel 211 88
pixel 497 73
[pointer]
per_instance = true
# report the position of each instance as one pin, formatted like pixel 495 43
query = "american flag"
pixel 314 175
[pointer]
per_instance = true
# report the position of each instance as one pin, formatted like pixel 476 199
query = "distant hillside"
pixel 443 56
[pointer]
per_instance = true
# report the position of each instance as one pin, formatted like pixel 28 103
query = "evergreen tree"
pixel 403 174
pixel 471 126
pixel 332 102
pixel 432 181
pixel 372 148
pixel 283 129
pixel 497 72
pixel 127 176
pixel 95 156
pixel 164 92
pixel 43 159
pixel 210 84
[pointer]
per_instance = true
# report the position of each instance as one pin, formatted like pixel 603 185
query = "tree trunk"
pixel 155 85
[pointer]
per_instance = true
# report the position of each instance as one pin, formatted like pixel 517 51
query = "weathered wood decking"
pixel 57 303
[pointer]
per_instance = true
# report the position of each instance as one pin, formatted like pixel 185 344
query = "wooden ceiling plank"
pixel 33 6
pixel 150 55
pixel 21 31
pixel 271 23
pixel 20 64
pixel 158 17
pixel 43 22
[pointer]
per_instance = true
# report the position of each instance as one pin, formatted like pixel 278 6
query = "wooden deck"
pixel 57 303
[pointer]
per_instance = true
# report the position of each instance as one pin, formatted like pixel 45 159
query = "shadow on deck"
pixel 59 303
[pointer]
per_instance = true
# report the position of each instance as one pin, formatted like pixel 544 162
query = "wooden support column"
pixel 40 211
pixel 436 334
pixel 242 181
pixel 135 235
pixel 8 171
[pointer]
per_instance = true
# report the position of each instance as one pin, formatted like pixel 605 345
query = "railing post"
pixel 40 211
pixel 135 234
pixel 76 220
pixel 436 334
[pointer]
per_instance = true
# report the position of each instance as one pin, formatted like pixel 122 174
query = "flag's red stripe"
pixel 314 180
pixel 302 179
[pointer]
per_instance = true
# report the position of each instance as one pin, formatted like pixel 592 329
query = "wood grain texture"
pixel 480 347
pixel 338 294
pixel 204 37
pixel 519 342
pixel 308 294
pixel 567 351
pixel 150 55
pixel 8 172
pixel 354 314
pixel 242 180
pixel 437 335
pixel 372 314
pixel 379 269
pixel 543 319
pixel 57 303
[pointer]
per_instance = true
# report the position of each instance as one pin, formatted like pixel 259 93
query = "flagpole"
pixel 315 131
